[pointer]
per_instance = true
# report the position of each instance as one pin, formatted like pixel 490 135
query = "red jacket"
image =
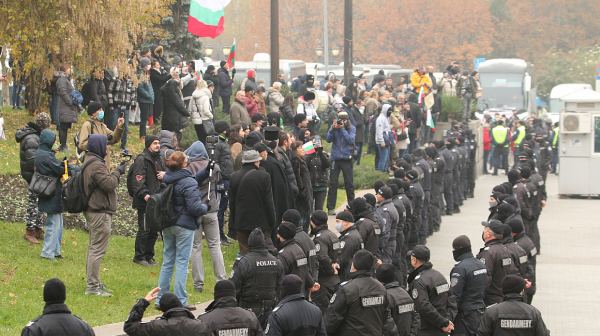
pixel 251 106
pixel 487 141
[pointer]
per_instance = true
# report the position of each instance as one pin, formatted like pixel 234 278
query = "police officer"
pixel 328 248
pixel 545 153
pixel 292 257
pixel 359 307
pixel 294 315
pixel 518 136
pixel 518 255
pixel 501 142
pixel 402 307
pixel 467 284
pixel 513 316
pixel 431 293
pixel 401 229
pixel 350 242
pixel 303 240
pixel 523 241
pixel 417 207
pixel 422 163
pixel 496 259
pixel 458 161
pixel 256 276
pixel 449 159
pixel 472 148
pixel 224 317
pixel 464 154
pixel 390 217
pixel 366 223
pixel 437 187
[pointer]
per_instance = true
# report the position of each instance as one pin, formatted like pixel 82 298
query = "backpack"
pixel 85 93
pixel 160 213
pixel 76 139
pixel 73 194
pixel 76 97
pixel 130 176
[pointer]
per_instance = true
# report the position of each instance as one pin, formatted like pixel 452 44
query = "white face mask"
pixel 147 67
pixel 339 226
pixel 361 110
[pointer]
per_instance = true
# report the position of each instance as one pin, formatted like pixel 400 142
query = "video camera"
pixel 211 144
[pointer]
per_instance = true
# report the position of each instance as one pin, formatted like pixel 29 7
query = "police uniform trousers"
pixel 471 180
pixel 424 231
pixel 456 195
pixel 448 177
pixel 435 206
pixel 467 322
pixel 322 296
pixel 533 232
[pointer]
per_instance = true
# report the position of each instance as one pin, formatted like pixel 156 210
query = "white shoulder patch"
pixel 333 298
pixel 276 308
pixel 30 323
pixel 344 283
pixel 486 248
pixel 319 234
pixel 318 247
pixel 415 293
pixel 231 274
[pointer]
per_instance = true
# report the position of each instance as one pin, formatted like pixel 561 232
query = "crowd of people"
pixel 373 277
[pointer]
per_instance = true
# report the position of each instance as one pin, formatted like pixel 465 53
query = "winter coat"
pixel 29 138
pixel 145 91
pixel 98 92
pixel 67 112
pixel 55 76
pixel 304 200
pixel 275 100
pixel 371 106
pixel 198 164
pixel 416 80
pixel 57 320
pixel 158 53
pixel 397 123
pixel 175 321
pixel 122 93
pixel 175 114
pixel 225 82
pixel 186 193
pixel 158 79
pixel 383 127
pixel 287 164
pixel 248 82
pixel 251 199
pixel 359 121
pixel 215 79
pixel 223 157
pixel 459 85
pixel 283 197
pixel 144 181
pixel 487 141
pixel 99 128
pixel 47 164
pixel 200 106
pixel 100 185
pixel 167 144
pixel 224 317
pixel 343 142
pixel 238 113
pixel 188 83
pixel 288 116
pixel 251 106
pixel 415 115
pixel 447 86
pixel 318 165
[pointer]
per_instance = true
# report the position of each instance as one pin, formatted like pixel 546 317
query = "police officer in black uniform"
pixel 450 159
pixel 366 223
pixel 496 259
pixel 519 237
pixel 518 254
pixel 437 187
pixel 328 249
pixel 390 216
pixel 545 152
pixel 426 183
pixel 402 307
pixel 256 276
pixel 467 284
pixel 417 207
pixel 472 149
pixel 292 257
pixel 464 153
pixel 350 243
pixel 359 307
pixel 431 293
pixel 303 240
pixel 294 315
pixel 513 316
pixel 224 317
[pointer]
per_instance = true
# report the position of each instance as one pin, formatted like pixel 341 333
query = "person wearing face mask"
pixel 467 284
pixel 545 150
pixel 496 259
pixel 350 243
pixel 95 125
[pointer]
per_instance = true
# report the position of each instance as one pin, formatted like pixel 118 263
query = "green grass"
pixel 23 273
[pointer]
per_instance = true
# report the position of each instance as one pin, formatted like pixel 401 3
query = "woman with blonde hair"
pixel 201 108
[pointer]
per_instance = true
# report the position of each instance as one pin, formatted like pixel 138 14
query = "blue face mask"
pixel 101 115
pixel 339 226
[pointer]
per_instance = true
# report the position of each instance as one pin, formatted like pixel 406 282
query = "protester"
pixel 287 110
pixel 201 108
pixel 158 78
pixel 225 84
pixel 67 111
pixel 238 112
pixel 176 114
pixel 318 164
pixel 222 156
pixel 283 150
pixel 342 135
pixel 145 95
pixel 305 199
pixel 275 98
pixel 211 75
pixel 95 125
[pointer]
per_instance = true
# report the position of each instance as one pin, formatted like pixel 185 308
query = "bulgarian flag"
pixel 207 17
pixel 427 101
pixel 308 147
pixel 231 57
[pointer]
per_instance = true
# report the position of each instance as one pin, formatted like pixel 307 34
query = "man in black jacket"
pixel 513 316
pixel 519 237
pixel 222 155
pixel 56 319
pixel 420 162
pixel 446 154
pixel 467 284
pixel 225 82
pixel 431 293
pixel 224 317
pixel 211 75
pixel 365 221
pixel 350 243
pixel 292 257
pixel 257 275
pixel 144 178
pixel 417 205
pixel 294 315
pixel 402 307
pixel 176 320
pixel 283 148
pixel 328 249
pixel 388 211
pixel 303 240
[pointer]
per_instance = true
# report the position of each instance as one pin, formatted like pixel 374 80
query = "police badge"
pixel 415 293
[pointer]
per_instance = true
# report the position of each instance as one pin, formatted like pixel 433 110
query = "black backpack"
pixel 73 194
pixel 130 177
pixel 160 213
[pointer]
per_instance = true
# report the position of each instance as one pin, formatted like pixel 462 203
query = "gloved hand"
pixel 319 150
pixel 208 206
pixel 233 72
pixel 122 168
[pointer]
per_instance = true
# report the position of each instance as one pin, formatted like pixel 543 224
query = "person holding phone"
pixel 341 134
pixel 318 166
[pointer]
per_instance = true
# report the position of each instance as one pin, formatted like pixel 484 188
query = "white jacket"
pixel 200 106
pixel 308 109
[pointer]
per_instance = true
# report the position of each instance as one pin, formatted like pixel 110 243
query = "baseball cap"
pixel 494 225
pixel 420 252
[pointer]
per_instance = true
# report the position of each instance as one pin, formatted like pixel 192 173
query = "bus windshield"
pixel 501 89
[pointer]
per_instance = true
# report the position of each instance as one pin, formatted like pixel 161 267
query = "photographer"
pixel 342 135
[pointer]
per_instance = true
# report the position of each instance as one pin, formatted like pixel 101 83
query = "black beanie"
pixel 224 288
pixel 461 242
pixel 525 172
pixel 290 285
pixel 292 216
pixel 346 100
pixel 360 205
pixel 370 198
pixel 412 175
pixel 394 188
pixel 222 63
pixel 516 225
pixel 93 107
pixel 298 118
pixel 385 273
pixel 399 174
pixel 377 185
pixel 406 186
pixel 221 126
pixel 55 291
pixel 408 158
pixel 363 260
pixel 513 284
pixel 507 230
pixel 287 230
pixel 169 301
pixel 260 147
pixel 150 139
pixel 252 139
pixel 345 216
pixel 319 217
pixel 514 176
pixel 386 192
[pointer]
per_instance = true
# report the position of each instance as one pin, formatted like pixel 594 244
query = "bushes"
pixel 364 176
pixel 452 108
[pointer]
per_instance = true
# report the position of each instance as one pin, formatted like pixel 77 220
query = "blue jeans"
pixel 54 109
pixel 359 148
pixel 16 101
pixel 222 189
pixel 53 237
pixel 384 157
pixel 178 243
pixel 486 158
pixel 401 152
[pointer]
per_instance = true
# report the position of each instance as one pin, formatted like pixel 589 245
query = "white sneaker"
pixel 98 292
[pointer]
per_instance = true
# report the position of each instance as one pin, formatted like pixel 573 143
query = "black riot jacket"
pixel 467 282
pixel 498 262
pixel 402 309
pixel 296 316
pixel 224 317
pixel 57 320
pixel 513 317
pixel 175 321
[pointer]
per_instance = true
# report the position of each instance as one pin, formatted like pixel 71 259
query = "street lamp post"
pixel 208 50
pixel 326 37
pixel 319 52
pixel 335 51
pixel 226 50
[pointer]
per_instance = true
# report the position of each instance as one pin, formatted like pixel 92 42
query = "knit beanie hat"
pixel 363 260
pixel 93 107
pixel 319 217
pixel 513 284
pixel 290 285
pixel 224 288
pixel 54 291
pixel 287 230
pixel 371 199
pixel 169 301
pixel 42 120
pixel 385 273
pixel 150 139
pixel 345 216
pixel 292 216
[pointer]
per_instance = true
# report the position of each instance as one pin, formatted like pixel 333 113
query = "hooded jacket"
pixel 67 112
pixel 175 113
pixel 198 160
pixel 145 91
pixel 225 82
pixel 47 164
pixel 201 106
pixel 186 193
pixel 343 142
pixel 100 185
pixel 275 99
pixel 144 180
pixel 239 113
pixel 29 138
pixel 167 144
pixel 158 53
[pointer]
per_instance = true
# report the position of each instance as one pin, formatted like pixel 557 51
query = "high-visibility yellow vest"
pixel 521 135
pixel 500 133
pixel 555 140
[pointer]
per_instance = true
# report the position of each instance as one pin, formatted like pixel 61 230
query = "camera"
pixel 126 155
pixel 211 144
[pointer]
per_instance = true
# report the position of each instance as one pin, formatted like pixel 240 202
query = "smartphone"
pixel 122 114
pixel 317 141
